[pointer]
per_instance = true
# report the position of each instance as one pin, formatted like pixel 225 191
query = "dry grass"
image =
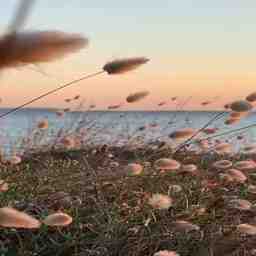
pixel 110 210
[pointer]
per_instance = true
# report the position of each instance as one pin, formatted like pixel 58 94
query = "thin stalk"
pixel 50 92
pixel 182 145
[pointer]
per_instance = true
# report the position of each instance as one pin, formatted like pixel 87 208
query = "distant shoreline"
pixel 116 111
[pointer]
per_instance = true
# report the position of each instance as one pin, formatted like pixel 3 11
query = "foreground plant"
pixel 36 47
pixel 12 218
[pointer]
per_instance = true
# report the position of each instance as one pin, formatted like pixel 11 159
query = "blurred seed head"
pixel 58 219
pixel 92 106
pixel 241 106
pixel 230 121
pixel 12 218
pixel 76 97
pixel 189 168
pixel 38 46
pixel 239 204
pixel 251 97
pixel 160 201
pixel 115 106
pixel 246 229
pixel 245 165
pixel 223 148
pixel 210 130
pixel 60 113
pixel 134 97
pixel 121 66
pixel 237 115
pixel 15 159
pixel 205 103
pixel 43 124
pixel 185 226
pixel 251 189
pixel 167 164
pixel 182 133
pixel 236 175
pixel 227 106
pixel 222 164
pixel 166 253
pixel 162 103
pixel 134 169
pixel 174 189
pixel 68 142
pixel 3 186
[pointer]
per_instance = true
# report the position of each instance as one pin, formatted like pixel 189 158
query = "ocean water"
pixel 112 127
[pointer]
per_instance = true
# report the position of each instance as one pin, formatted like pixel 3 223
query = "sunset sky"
pixel 198 48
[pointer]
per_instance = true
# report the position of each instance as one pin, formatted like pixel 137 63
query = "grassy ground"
pixel 110 210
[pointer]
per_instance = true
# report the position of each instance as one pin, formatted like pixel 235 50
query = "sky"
pixel 201 49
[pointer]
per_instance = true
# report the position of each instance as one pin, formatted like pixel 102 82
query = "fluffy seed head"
pixel 251 189
pixel 223 147
pixel 237 115
pixel 68 142
pixel 15 160
pixel 245 165
pixel 115 106
pixel 249 150
pixel 230 121
pixel 186 226
pixel 222 164
pixel 92 106
pixel 37 47
pixel 160 201
pixel 251 97
pixel 166 253
pixel 241 106
pixel 246 229
pixel 134 169
pixel 162 103
pixel 227 106
pixel 43 124
pixel 58 219
pixel 182 133
pixel 205 103
pixel 189 168
pixel 240 204
pixel 175 188
pixel 60 113
pixel 3 186
pixel 167 164
pixel 121 66
pixel 210 130
pixel 76 97
pixel 12 218
pixel 134 97
pixel 225 178
pixel 237 175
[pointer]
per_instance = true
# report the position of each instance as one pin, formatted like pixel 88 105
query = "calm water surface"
pixel 111 126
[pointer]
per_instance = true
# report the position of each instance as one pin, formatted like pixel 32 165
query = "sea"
pixel 116 126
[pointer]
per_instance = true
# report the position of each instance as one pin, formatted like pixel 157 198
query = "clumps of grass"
pixel 114 212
